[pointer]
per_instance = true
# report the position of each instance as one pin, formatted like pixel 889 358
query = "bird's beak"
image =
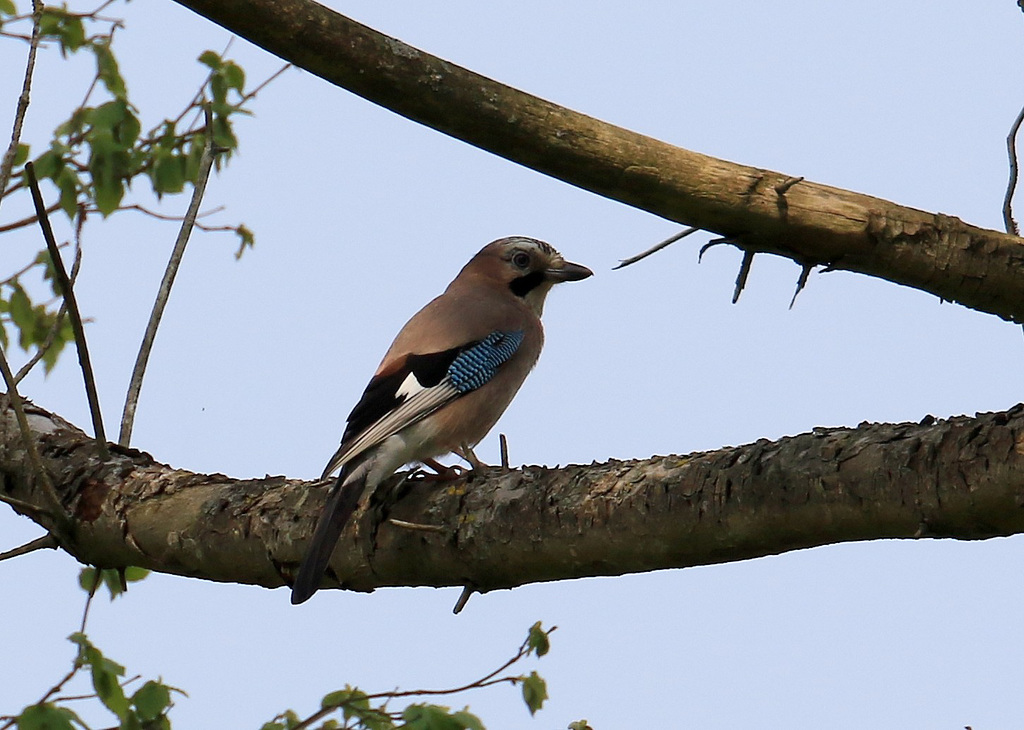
pixel 568 271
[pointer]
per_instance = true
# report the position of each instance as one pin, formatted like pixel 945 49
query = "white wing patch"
pixel 419 403
pixel 409 387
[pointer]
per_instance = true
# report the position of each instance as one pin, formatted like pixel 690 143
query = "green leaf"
pixel 65 335
pixel 284 721
pixel 429 717
pixel 109 577
pixel 538 641
pixel 72 126
pixel 72 33
pixel 48 164
pixel 580 725
pixel 109 191
pixel 152 700
pixel 223 136
pixel 22 152
pixel 219 91
pixel 69 184
pixel 247 240
pixel 46 717
pixel 108 71
pixel 169 137
pixel 167 173
pixel 86 578
pixel 194 157
pixel 133 573
pixel 21 309
pixel 535 691
pixel 468 720
pixel 128 130
pixel 234 76
pixel 438 717
pixel 337 698
pixel 211 59
pixel 105 675
pixel 106 116
pixel 7 7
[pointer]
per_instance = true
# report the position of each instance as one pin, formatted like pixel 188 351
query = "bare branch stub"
pixel 741 278
pixel 780 191
pixel 46 542
pixel 711 244
pixel 1011 185
pixel 805 272
pixel 464 597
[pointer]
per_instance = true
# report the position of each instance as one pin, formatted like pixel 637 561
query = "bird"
pixel 450 373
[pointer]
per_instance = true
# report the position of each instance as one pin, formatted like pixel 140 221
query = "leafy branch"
pixel 100 150
pixel 147 707
pixel 363 711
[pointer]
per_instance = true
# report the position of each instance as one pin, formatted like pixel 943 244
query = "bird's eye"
pixel 521 260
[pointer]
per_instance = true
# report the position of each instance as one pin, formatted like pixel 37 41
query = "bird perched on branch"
pixel 444 382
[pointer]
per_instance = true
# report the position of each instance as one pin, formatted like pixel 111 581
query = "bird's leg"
pixel 465 451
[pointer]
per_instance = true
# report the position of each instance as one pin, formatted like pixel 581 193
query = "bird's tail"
pixel 341 503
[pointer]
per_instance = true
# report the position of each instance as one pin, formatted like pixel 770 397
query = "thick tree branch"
pixel 807 222
pixel 961 478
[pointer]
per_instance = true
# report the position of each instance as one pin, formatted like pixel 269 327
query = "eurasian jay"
pixel 444 382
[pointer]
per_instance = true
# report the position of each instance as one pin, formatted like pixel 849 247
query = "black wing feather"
pixel 381 395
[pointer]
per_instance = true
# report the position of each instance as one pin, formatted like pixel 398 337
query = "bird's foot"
pixel 465 451
pixel 442 473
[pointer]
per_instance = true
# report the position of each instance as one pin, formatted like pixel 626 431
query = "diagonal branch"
pixel 961 478
pixel 60 276
pixel 762 210
pixel 164 292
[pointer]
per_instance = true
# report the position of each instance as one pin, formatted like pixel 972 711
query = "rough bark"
pixel 960 478
pixel 758 210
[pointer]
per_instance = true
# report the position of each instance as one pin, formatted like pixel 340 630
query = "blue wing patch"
pixel 476 365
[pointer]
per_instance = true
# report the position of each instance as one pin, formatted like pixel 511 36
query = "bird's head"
pixel 528 267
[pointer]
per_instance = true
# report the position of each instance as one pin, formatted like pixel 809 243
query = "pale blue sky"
pixel 362 216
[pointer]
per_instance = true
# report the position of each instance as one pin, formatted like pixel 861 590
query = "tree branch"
pixel 808 222
pixel 131 400
pixel 960 478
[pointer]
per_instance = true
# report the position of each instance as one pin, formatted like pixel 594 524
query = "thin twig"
pixel 503 444
pixel 176 218
pixel 93 696
pixel 1011 152
pixel 96 579
pixel 654 249
pixel 58 517
pixel 58 322
pixel 416 526
pixel 46 542
pixel 26 88
pixel 27 267
pixel 67 291
pixel 485 681
pixel 135 385
pixel 28 221
pixel 26 508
